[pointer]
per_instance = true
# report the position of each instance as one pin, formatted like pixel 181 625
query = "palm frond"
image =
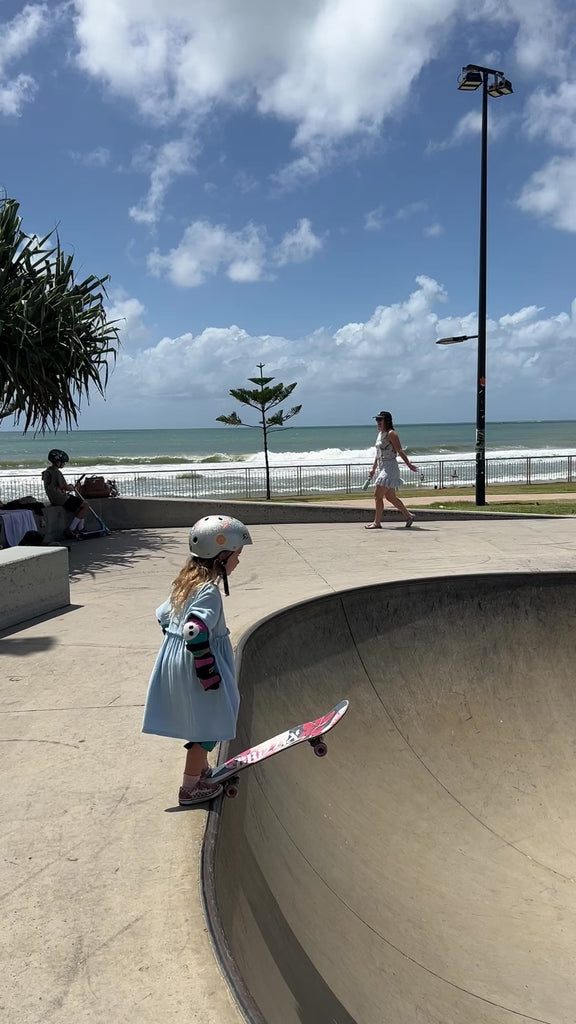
pixel 56 342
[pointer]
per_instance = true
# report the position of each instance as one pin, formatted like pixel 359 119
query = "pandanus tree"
pixel 263 398
pixel 56 342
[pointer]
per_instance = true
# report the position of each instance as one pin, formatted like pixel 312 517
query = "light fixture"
pixel 469 80
pixel 456 339
pixel 500 86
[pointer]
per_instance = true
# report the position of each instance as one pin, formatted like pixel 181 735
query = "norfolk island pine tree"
pixel 263 398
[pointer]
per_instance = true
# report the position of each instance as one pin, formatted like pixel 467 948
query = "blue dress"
pixel 176 703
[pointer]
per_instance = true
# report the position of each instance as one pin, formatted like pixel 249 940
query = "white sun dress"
pixel 176 702
pixel 388 472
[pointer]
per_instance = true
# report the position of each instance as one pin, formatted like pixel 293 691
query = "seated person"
pixel 57 491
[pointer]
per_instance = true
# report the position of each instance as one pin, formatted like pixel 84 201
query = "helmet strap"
pixel 221 563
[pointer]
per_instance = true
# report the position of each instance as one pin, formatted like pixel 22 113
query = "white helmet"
pixel 213 534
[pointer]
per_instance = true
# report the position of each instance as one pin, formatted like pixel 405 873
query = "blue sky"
pixel 298 184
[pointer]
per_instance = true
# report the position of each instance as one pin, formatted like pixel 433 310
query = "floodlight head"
pixel 500 86
pixel 469 80
pixel 505 86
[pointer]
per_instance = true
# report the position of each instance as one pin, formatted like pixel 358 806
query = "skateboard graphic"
pixel 313 732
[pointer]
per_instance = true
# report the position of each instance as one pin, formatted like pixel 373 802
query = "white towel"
pixel 16 524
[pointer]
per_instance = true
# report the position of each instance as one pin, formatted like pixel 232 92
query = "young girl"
pixel 192 694
pixel 388 480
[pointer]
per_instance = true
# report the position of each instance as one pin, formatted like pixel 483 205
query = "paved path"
pixel 446 497
pixel 102 920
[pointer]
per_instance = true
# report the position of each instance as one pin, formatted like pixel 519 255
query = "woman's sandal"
pixel 373 526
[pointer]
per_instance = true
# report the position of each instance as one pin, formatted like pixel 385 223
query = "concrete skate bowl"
pixel 424 871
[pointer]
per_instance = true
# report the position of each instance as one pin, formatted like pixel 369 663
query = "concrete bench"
pixel 33 581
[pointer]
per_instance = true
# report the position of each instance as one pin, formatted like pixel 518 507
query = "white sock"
pixel 74 524
pixel 190 781
pixel 80 524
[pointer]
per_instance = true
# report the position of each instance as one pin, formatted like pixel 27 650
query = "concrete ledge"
pixel 33 581
pixel 57 519
pixel 154 513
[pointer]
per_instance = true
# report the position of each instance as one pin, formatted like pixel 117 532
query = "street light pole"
pixel 481 374
pixel 494 83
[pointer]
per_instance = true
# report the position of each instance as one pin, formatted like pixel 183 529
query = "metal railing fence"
pixel 245 482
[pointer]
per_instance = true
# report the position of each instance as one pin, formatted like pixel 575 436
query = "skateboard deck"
pixel 313 732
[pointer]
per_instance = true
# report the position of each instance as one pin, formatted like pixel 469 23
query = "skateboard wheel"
pixel 231 789
pixel 320 749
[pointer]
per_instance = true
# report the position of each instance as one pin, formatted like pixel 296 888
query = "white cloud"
pixel 14 94
pixel 543 38
pixel 16 38
pixel 375 219
pixel 410 210
pixel 551 114
pixel 298 245
pixel 523 346
pixel 207 249
pixel 522 316
pixel 310 164
pixel 550 193
pixel 171 160
pixel 130 314
pixel 19 35
pixel 434 230
pixel 329 68
pixel 543 30
pixel 334 70
pixel 470 125
pixel 98 157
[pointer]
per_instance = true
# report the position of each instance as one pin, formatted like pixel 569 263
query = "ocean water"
pixel 227 463
pixel 123 451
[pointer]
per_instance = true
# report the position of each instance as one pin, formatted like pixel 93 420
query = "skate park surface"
pixel 422 872
pixel 425 870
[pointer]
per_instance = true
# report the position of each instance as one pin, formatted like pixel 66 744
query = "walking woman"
pixel 388 480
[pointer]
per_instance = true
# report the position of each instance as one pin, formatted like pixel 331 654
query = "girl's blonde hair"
pixel 195 573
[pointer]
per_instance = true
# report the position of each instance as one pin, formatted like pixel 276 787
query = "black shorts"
pixel 73 503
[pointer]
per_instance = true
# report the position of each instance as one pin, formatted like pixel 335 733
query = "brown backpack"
pixel 97 487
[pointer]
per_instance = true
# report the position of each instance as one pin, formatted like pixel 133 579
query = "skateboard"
pixel 313 732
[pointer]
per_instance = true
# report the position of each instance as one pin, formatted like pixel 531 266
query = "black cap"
pixel 381 415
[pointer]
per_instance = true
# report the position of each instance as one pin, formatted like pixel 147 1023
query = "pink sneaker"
pixel 203 791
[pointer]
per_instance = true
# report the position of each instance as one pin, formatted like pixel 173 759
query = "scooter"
pixel 103 530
